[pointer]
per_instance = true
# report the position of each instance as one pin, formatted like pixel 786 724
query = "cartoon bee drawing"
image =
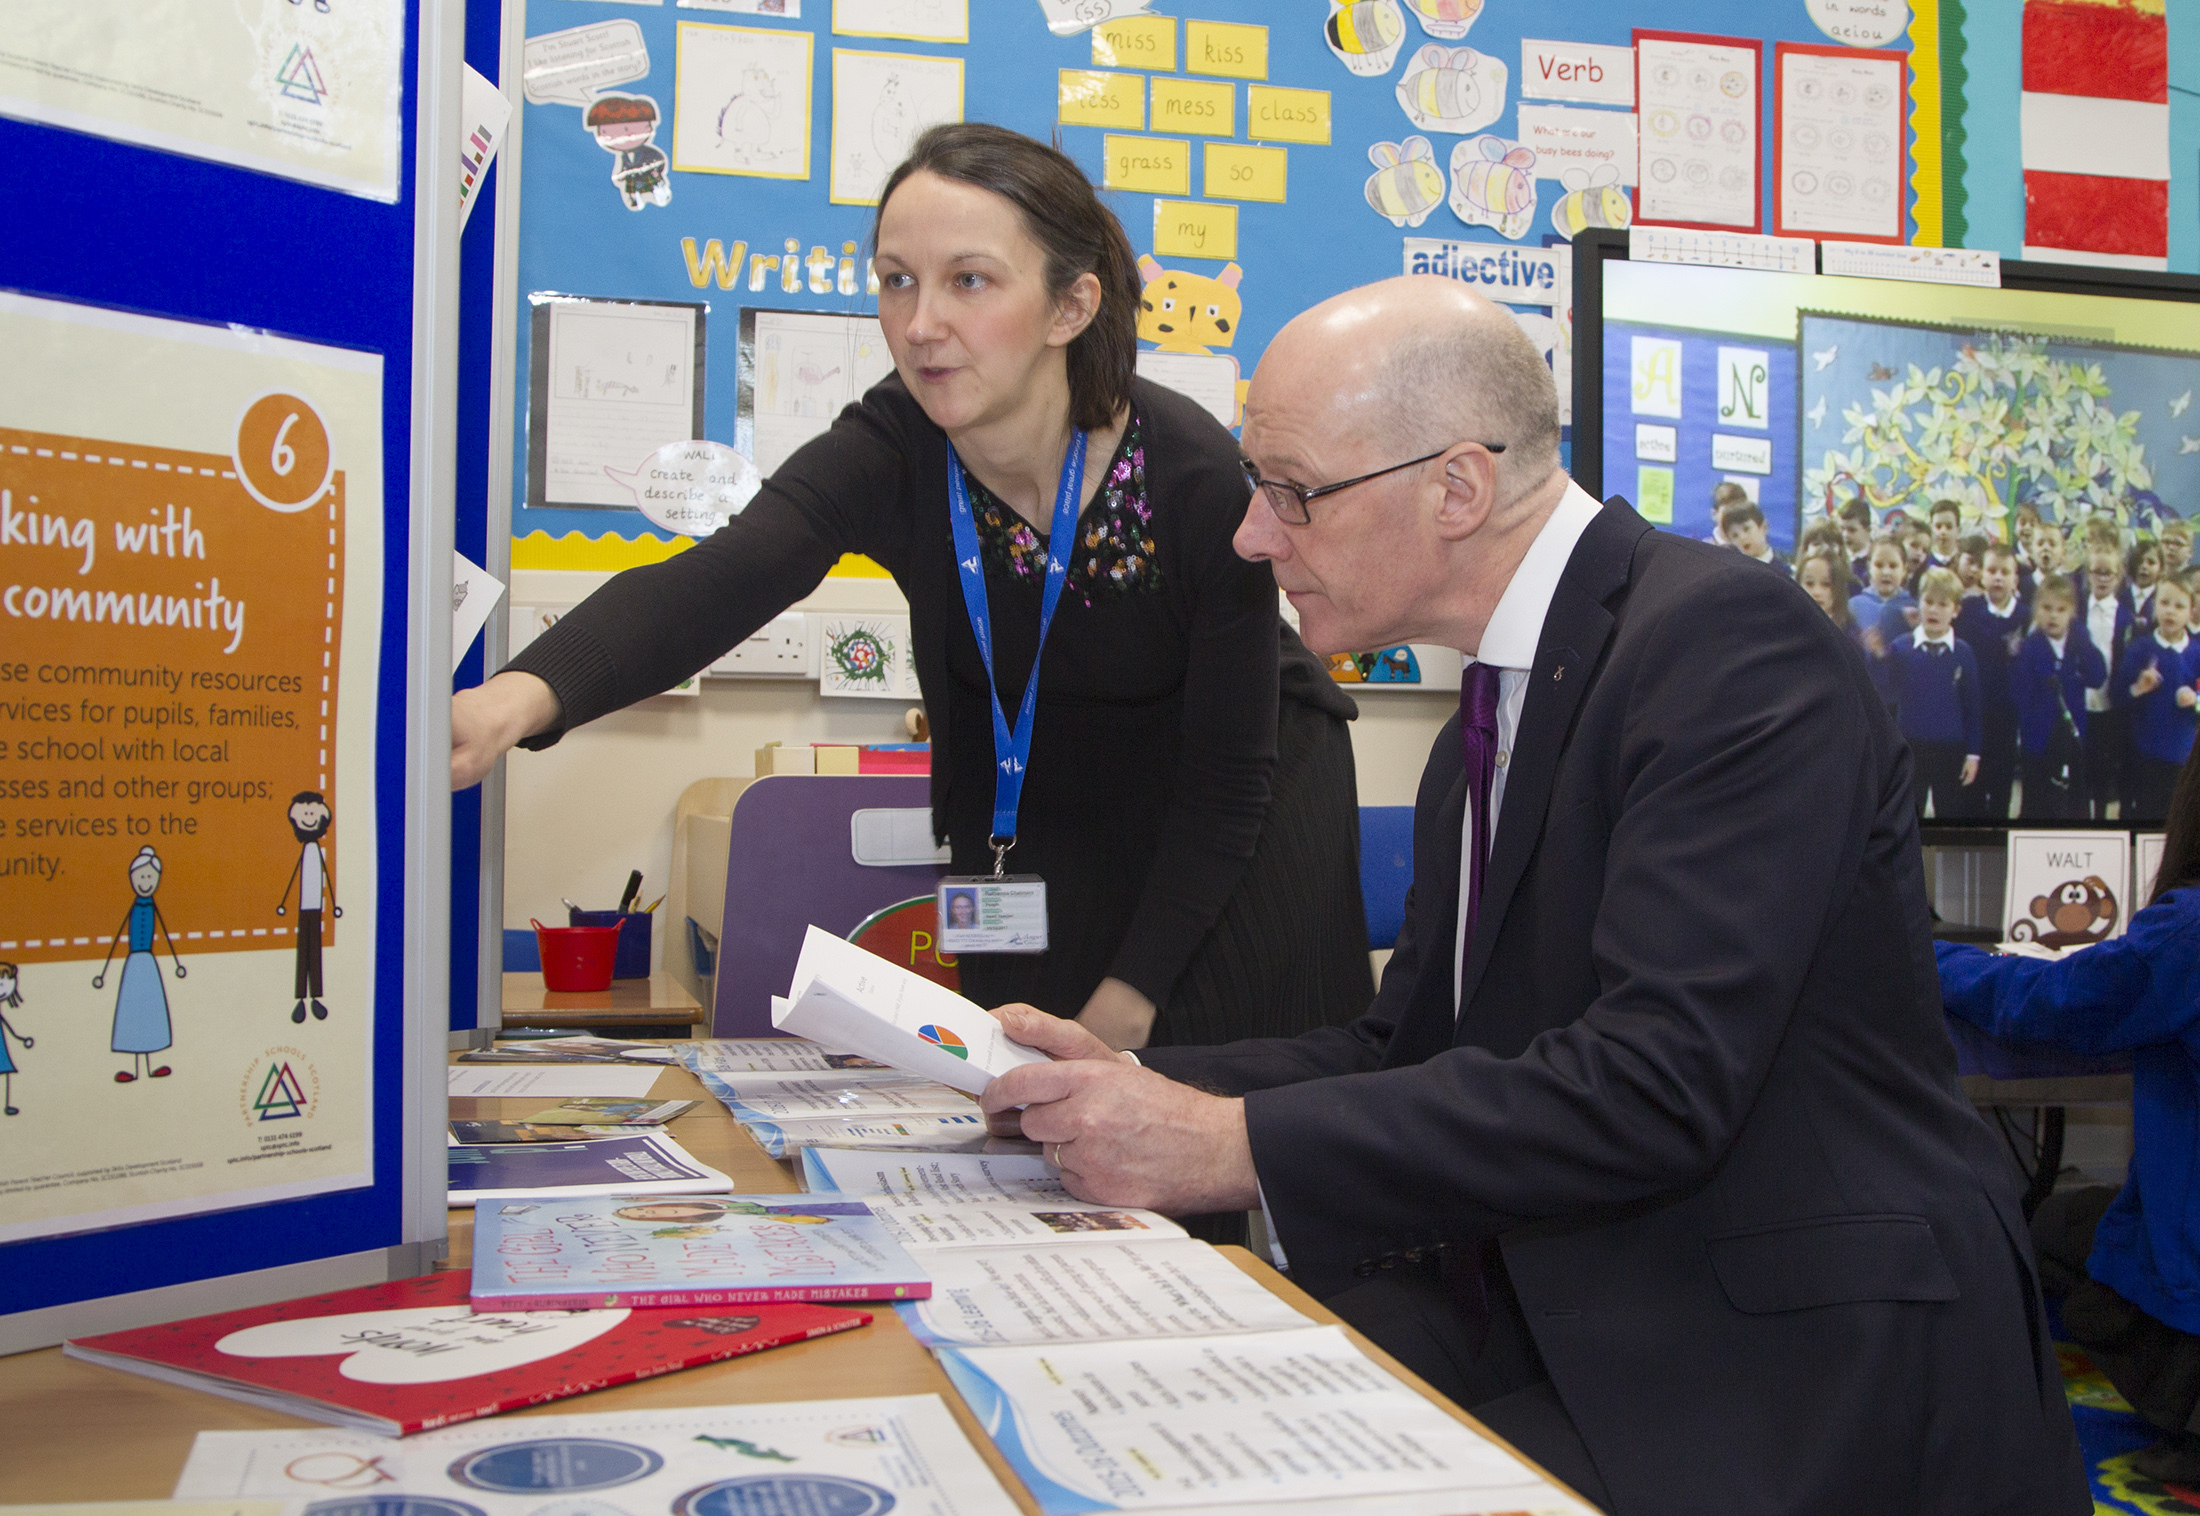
pixel 1365 34
pixel 1448 19
pixel 1493 185
pixel 1593 198
pixel 1406 184
pixel 1452 89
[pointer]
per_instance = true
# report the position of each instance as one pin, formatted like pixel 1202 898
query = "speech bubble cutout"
pixel 692 488
pixel 425 1345
pixel 565 68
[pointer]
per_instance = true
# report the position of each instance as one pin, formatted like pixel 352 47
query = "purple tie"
pixel 1478 745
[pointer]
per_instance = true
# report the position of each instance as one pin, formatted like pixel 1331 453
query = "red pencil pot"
pixel 576 959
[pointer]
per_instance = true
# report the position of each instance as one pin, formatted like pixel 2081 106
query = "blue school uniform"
pixel 2036 674
pixel 2160 728
pixel 2140 991
pixel 1993 641
pixel 1890 614
pixel 1934 688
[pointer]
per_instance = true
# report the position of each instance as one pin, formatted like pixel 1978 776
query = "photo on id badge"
pixel 993 914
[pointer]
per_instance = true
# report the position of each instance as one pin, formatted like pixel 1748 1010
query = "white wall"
pixel 580 815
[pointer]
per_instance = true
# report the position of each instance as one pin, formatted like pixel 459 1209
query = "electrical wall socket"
pixel 779 649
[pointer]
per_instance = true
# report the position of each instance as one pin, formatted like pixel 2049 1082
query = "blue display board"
pixel 1231 90
pixel 104 225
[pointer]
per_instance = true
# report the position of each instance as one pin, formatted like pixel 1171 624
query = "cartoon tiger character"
pixel 1183 312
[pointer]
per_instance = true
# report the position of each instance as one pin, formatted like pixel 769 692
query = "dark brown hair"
pixel 2181 846
pixel 1078 234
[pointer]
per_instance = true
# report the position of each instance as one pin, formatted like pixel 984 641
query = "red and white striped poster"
pixel 2096 132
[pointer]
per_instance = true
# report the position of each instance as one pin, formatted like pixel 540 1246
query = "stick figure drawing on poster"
pixel 11 999
pixel 141 1003
pixel 310 819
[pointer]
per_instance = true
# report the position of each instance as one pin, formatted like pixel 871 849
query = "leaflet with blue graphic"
pixel 1280 1421
pixel 857 1002
pixel 903 1454
pixel 921 1131
pixel 648 1162
pixel 597 1251
pixel 770 1097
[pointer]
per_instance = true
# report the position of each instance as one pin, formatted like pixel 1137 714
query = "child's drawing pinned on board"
pixel 1493 185
pixel 1365 34
pixel 1452 89
pixel 1183 312
pixel 1406 184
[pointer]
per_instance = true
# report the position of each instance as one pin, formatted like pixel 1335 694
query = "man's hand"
pixel 488 719
pixel 1121 1134
pixel 1118 1015
pixel 1970 771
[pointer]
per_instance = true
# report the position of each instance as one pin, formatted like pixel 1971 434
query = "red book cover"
pixel 410 1355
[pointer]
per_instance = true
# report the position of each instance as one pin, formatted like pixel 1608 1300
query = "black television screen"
pixel 2010 437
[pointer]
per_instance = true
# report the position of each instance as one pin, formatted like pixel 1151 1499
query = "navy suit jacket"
pixel 1701 1093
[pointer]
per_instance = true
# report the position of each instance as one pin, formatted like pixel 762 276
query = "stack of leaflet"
pixel 1120 1365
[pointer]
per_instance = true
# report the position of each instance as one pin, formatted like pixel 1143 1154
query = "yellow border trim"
pixel 832 193
pixel 1925 161
pixel 679 85
pixel 962 38
pixel 610 553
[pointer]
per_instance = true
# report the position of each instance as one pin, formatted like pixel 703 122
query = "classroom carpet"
pixel 2108 1434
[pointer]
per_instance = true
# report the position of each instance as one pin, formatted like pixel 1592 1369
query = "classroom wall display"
pixel 1275 158
pixel 2067 889
pixel 191 587
pixel 307 92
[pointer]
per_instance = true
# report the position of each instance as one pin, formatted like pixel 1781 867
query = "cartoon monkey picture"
pixel 2074 913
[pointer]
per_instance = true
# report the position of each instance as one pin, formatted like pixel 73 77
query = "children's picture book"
pixel 648 1163
pixel 902 1454
pixel 596 1251
pixel 2066 889
pixel 610 1110
pixel 402 1357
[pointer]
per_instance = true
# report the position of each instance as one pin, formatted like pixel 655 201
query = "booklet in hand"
pixel 859 1002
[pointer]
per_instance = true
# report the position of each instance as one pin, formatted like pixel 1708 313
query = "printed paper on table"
pixel 1698 106
pixel 2067 889
pixel 191 589
pixel 307 92
pixel 1840 152
pixel 905 1454
pixel 881 102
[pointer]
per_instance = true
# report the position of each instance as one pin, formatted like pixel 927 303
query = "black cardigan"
pixel 1156 726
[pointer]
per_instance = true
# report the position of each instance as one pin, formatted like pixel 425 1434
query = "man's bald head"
pixel 1417 364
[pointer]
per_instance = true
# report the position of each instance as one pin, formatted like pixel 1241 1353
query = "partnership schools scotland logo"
pixel 279 1085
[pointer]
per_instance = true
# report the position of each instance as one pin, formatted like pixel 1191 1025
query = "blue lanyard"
pixel 1012 749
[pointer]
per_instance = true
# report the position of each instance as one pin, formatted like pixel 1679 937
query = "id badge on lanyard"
pixel 1003 912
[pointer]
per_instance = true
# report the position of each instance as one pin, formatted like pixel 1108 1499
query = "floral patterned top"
pixel 1115 548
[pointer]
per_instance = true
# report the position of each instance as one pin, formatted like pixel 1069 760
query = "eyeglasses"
pixel 1290 501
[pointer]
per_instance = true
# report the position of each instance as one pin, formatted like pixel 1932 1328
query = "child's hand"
pixel 1911 615
pixel 1874 643
pixel 2187 698
pixel 1970 771
pixel 2149 680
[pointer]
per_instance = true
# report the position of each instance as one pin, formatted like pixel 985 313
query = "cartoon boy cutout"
pixel 141 1004
pixel 11 999
pixel 310 819
pixel 623 125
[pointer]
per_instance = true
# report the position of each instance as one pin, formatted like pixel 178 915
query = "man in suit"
pixel 1650 1149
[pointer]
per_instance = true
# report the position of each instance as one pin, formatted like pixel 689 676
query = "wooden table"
pixel 71 1431
pixel 659 1000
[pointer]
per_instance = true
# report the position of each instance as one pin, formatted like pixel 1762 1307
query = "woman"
pixel 141 1026
pixel 1199 845
pixel 2131 1257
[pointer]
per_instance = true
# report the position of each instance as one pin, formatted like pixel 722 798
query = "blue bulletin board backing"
pixel 99 222
pixel 578 237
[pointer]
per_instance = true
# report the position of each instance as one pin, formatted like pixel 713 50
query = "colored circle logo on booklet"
pixel 555 1463
pixel 394 1505
pixel 941 1037
pixel 784 1494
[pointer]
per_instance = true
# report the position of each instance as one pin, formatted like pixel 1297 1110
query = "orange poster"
pixel 190 617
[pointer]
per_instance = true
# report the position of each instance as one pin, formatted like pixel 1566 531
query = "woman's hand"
pixel 1118 1015
pixel 488 719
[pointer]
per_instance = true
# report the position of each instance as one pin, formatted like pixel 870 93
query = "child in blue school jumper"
pixel 1994 623
pixel 1930 677
pixel 2130 1257
pixel 2048 679
pixel 2159 684
pixel 1884 605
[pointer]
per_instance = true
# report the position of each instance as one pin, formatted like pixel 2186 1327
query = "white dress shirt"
pixel 1508 645
pixel 2100 625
